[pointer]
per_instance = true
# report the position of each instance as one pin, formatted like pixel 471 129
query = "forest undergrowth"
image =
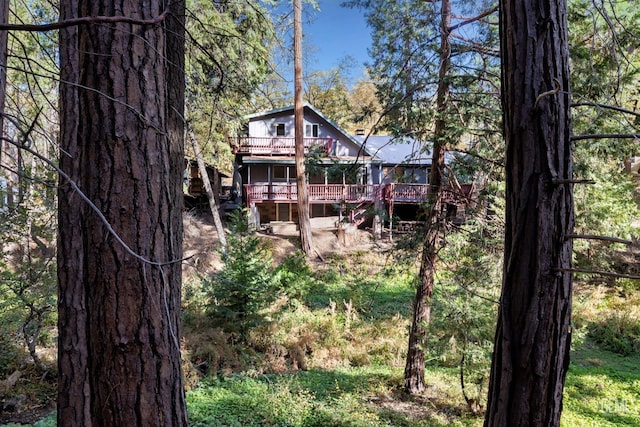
pixel 326 346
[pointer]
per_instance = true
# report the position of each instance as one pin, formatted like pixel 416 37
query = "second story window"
pixel 312 130
pixel 280 129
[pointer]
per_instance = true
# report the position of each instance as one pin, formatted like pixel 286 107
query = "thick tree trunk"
pixel 121 142
pixel 213 205
pixel 4 19
pixel 414 367
pixel 304 221
pixel 532 341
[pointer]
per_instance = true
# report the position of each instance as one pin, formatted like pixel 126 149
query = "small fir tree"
pixel 246 285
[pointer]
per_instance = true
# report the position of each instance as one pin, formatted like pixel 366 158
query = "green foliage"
pixel 605 208
pixel 246 285
pixel 619 333
pixel 328 91
pixel 11 352
pixel 294 275
pixel 241 401
pixel 405 67
pixel 603 38
pixel 338 398
pixel 27 279
pixel 465 305
pixel 227 55
pixel 605 72
pixel 601 389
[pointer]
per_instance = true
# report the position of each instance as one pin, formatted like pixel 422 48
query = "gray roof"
pixel 395 150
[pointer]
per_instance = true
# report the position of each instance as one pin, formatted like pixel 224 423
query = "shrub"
pixel 294 275
pixel 246 285
pixel 619 333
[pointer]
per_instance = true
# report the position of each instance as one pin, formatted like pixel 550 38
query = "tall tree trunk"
pixel 4 35
pixel 531 353
pixel 4 18
pixel 6 194
pixel 121 142
pixel 213 205
pixel 414 367
pixel 304 221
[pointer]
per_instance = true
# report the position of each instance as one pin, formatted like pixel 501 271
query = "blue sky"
pixel 335 32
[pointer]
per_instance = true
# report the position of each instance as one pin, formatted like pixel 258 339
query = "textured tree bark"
pixel 121 142
pixel 304 221
pixel 531 353
pixel 414 381
pixel 4 18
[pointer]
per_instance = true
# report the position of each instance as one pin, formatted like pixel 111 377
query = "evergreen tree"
pixel 429 86
pixel 246 285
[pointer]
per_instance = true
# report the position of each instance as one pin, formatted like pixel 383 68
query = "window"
pixel 279 172
pixel 280 129
pixel 312 130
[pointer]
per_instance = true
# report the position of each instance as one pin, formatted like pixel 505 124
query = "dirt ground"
pixel 201 242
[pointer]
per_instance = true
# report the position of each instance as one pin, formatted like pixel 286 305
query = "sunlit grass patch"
pixel 363 396
pixel 602 389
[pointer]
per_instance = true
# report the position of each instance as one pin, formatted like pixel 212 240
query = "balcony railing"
pixel 277 145
pixel 411 193
pixel 418 193
pixel 318 193
pixel 349 193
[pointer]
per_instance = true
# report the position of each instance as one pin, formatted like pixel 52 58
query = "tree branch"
pixel 606 136
pixel 472 20
pixel 600 273
pixel 573 181
pixel 606 107
pixel 83 21
pixel 602 238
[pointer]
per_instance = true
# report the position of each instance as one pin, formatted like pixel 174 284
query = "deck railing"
pixel 350 193
pixel 412 193
pixel 318 193
pixel 277 145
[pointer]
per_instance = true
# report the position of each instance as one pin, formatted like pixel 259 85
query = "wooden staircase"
pixel 358 215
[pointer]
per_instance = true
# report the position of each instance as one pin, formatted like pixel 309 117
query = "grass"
pixel 602 388
pixel 362 396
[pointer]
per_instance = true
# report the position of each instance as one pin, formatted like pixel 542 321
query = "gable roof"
pixel 396 150
pixel 310 107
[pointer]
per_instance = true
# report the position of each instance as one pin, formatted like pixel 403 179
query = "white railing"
pixel 277 145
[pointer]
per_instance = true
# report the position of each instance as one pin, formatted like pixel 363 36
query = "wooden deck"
pixel 354 193
pixel 407 193
pixel 318 193
pixel 277 145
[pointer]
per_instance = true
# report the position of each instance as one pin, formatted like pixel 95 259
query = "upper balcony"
pixel 277 145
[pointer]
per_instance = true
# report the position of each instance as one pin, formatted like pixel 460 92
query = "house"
pixel 405 165
pixel 350 178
